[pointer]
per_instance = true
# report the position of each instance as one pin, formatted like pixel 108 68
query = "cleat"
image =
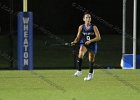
pixel 89 77
pixel 78 73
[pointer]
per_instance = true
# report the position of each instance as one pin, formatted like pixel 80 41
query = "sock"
pixel 91 67
pixel 79 61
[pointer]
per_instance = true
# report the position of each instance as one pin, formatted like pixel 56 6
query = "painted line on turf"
pixel 49 82
pixel 74 99
pixel 126 83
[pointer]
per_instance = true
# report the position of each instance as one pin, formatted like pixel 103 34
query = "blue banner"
pixel 25 40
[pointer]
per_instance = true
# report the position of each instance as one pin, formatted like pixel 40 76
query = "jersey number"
pixel 88 37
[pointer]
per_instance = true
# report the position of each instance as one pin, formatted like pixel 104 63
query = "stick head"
pixel 67 44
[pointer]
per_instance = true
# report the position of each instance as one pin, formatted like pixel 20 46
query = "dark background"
pixel 64 16
pixel 62 19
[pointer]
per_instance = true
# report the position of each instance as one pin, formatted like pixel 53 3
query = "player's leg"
pixel 92 53
pixel 91 63
pixel 82 52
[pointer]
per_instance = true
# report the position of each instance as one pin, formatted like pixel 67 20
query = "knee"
pixel 91 58
pixel 81 55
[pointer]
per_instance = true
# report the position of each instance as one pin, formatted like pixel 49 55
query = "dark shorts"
pixel 92 47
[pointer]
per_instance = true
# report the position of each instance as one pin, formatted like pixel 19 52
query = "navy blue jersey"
pixel 87 34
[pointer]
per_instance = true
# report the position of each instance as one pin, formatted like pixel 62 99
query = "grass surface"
pixel 62 85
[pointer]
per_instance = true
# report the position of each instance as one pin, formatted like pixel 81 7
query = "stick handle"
pixel 70 44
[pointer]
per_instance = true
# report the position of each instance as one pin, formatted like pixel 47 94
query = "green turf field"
pixel 62 85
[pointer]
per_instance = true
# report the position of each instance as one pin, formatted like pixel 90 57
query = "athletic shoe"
pixel 78 73
pixel 89 77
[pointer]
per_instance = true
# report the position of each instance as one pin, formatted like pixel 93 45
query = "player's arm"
pixel 97 34
pixel 77 39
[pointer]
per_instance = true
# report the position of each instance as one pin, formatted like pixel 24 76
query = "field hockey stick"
pixel 61 44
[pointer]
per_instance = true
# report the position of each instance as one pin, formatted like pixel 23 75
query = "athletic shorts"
pixel 92 47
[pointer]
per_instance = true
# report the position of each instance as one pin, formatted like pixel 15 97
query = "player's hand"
pixel 87 42
pixel 73 43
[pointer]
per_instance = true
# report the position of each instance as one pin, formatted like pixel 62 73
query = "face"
pixel 87 18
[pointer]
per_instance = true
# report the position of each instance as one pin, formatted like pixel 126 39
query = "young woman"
pixel 88 35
